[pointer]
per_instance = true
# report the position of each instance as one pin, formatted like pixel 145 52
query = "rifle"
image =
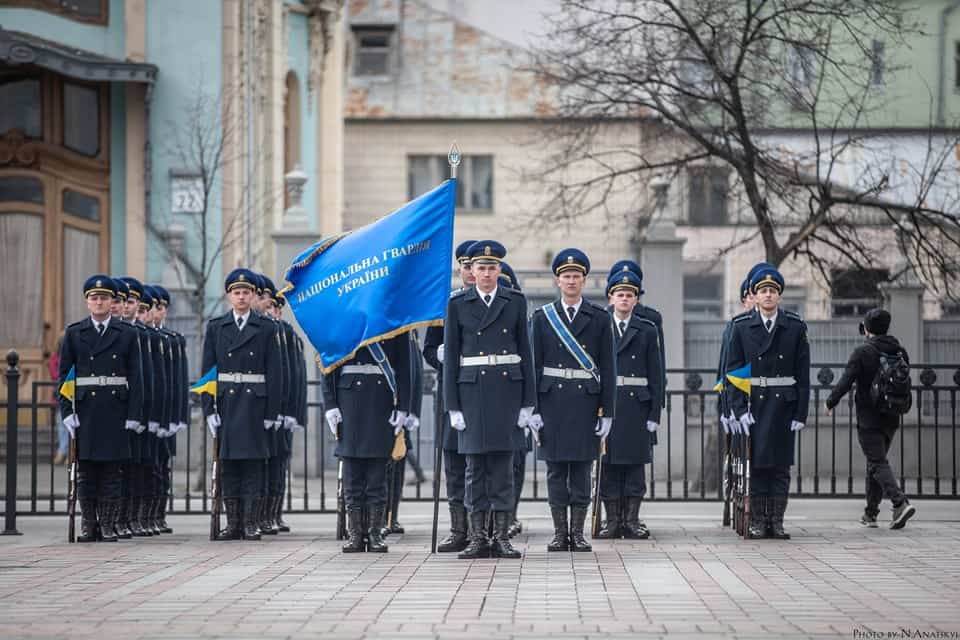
pixel 597 471
pixel 391 494
pixel 72 493
pixel 727 481
pixel 745 524
pixel 215 490
pixel 341 507
pixel 440 422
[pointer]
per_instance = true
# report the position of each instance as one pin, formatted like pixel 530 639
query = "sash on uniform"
pixel 569 341
pixel 380 357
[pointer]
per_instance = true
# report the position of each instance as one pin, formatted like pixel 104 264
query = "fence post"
pixel 13 380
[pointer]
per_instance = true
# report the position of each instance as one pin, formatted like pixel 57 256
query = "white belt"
pixel 491 360
pixel 240 378
pixel 568 374
pixel 784 381
pixel 631 381
pixel 101 381
pixel 365 369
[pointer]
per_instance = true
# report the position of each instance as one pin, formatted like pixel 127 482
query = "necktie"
pixel 239 323
pixel 99 328
pixel 486 299
pixel 570 312
pixel 623 327
pixel 769 325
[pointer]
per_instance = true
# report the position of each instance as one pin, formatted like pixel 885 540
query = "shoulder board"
pixel 647 321
pixel 75 324
pixel 743 316
pixel 793 314
pixel 651 313
pixel 457 293
pixel 597 307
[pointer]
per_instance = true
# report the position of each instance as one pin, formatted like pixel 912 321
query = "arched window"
pixel 291 123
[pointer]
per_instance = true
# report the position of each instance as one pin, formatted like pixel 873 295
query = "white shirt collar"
pixel 105 323
pixel 764 318
pixel 492 294
pixel 245 317
pixel 576 307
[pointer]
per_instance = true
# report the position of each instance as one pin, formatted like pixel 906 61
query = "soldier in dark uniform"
pixel 773 342
pixel 106 407
pixel 639 387
pixel 576 397
pixel 160 462
pixel 178 418
pixel 244 348
pixel 454 462
pixel 509 279
pixel 489 393
pixel 396 469
pixel 122 524
pixel 158 406
pixel 367 400
pixel 298 368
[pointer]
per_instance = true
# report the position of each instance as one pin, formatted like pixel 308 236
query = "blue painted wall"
pixel 105 40
pixel 298 54
pixel 118 179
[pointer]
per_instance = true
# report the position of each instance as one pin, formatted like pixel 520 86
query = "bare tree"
pixel 782 93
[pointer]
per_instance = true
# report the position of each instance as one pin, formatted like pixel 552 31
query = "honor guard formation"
pixel 581 383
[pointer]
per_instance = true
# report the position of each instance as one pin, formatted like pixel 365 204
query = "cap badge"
pixel 99 283
pixel 242 278
pixel 486 250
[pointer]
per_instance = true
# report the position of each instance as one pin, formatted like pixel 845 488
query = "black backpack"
pixel 892 390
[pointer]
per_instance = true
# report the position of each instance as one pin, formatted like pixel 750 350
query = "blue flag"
pixel 375 282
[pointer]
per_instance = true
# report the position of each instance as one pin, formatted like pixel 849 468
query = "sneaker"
pixel 868 521
pixel 901 514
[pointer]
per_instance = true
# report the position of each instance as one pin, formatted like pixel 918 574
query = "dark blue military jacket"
pixel 243 406
pixel 103 410
pixel 366 401
pixel 570 407
pixel 292 400
pixel 141 443
pixel 782 352
pixel 490 397
pixel 651 314
pixel 638 356
pixel 431 343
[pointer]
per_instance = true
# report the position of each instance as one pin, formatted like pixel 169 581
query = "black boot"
pixel 515 528
pixel 108 520
pixel 479 546
pixel 251 509
pixel 123 519
pixel 633 529
pixel 162 517
pixel 143 515
pixel 375 542
pixel 267 526
pixel 500 546
pixel 578 515
pixel 234 531
pixel 88 521
pixel 282 526
pixel 776 508
pixel 757 529
pixel 561 535
pixel 457 540
pixel 611 526
pixel 135 527
pixel 354 531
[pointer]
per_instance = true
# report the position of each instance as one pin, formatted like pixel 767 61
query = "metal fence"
pixel 686 466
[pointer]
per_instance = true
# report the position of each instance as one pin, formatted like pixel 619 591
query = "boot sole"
pixel 901 522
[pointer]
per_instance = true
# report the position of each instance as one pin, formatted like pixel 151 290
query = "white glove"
pixel 603 427
pixel 796 426
pixel 734 423
pixel 396 419
pixel 162 433
pixel 171 428
pixel 745 421
pixel 334 418
pixel 457 421
pixel 181 426
pixel 440 353
pixel 525 414
pixel 213 423
pixel 652 426
pixel 289 422
pixel 72 422
pixel 296 427
pixel 726 424
pixel 269 424
pixel 153 426
pixel 535 423
pixel 412 422
pixel 131 425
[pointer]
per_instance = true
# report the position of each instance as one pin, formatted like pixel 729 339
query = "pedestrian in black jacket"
pixel 875 430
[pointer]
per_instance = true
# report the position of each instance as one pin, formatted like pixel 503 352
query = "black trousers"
pixel 881 482
pixel 519 475
pixel 276 475
pixel 489 482
pixel 772 482
pixel 455 468
pixel 568 484
pixel 163 469
pixel 98 480
pixel 127 480
pixel 364 482
pixel 623 481
pixel 241 478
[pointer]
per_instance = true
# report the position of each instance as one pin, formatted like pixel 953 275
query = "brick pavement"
pixel 692 579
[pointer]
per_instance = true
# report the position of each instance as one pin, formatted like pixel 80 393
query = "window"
pixel 877 64
pixel 81 119
pixel 802 70
pixel 21 189
pixel 956 65
pixel 855 291
pixel 474 179
pixel 95 11
pixel 22 107
pixel 709 189
pixel 81 205
pixel 373 47
pixel 703 296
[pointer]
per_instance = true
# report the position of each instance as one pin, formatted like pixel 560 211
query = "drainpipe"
pixel 941 78
pixel 248 213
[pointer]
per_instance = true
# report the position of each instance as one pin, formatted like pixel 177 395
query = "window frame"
pixel 357 32
pixel 465 178
pixel 801 94
pixel 56 7
pixel 707 174
pixel 854 306
pixel 878 67
pixel 704 308
pixel 62 106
